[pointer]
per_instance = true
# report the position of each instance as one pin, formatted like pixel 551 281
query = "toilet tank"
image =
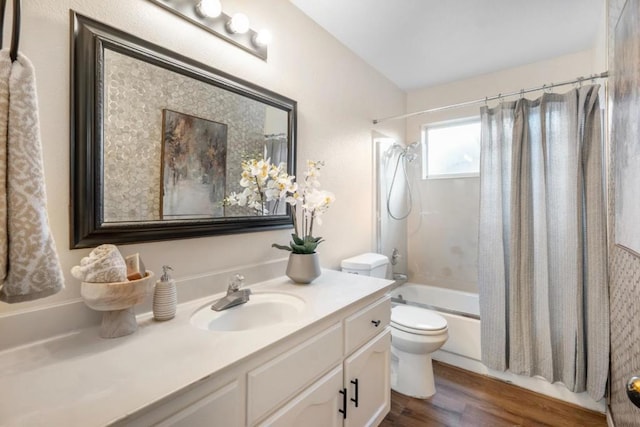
pixel 369 264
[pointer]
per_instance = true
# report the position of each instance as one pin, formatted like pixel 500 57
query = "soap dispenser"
pixel 165 297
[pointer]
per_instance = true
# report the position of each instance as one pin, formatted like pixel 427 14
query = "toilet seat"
pixel 416 320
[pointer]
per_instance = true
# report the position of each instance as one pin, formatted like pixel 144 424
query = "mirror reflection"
pixel 173 145
pixel 159 140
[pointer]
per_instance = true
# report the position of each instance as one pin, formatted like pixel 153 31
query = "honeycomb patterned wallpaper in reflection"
pixel 135 94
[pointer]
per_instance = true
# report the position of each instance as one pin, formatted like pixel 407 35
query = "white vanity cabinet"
pixel 354 393
pixel 317 406
pixel 212 402
pixel 366 376
pixel 367 364
pixel 335 373
pixel 298 371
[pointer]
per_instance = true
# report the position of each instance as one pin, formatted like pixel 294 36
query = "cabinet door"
pixel 317 406
pixel 366 374
pixel 220 408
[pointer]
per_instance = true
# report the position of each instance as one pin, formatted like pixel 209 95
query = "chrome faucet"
pixel 235 295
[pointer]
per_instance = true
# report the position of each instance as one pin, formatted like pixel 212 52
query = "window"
pixel 451 149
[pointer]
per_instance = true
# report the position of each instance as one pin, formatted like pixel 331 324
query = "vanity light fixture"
pixel 262 38
pixel 209 8
pixel 238 24
pixel 208 15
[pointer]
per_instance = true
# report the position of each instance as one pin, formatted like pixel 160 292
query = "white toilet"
pixel 415 334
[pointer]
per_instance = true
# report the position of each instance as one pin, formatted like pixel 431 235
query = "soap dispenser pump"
pixel 165 296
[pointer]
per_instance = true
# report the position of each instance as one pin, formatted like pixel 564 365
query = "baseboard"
pixel 610 422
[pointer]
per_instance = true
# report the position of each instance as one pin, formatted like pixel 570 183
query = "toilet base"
pixel 412 374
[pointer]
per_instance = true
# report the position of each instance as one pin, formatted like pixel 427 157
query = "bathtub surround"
pixel 32 269
pixel 542 244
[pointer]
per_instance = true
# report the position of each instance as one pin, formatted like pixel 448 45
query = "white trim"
pixel 610 422
pixel 453 176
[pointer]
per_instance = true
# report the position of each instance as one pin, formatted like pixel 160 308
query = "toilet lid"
pixel 417 318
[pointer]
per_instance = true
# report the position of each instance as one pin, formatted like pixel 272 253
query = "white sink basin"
pixel 263 309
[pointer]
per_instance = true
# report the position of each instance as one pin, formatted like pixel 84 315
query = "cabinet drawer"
pixel 366 323
pixel 279 379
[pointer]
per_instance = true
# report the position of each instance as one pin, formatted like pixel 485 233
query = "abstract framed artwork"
pixel 194 153
pixel 625 127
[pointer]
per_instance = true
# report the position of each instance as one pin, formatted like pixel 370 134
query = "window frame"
pixel 425 148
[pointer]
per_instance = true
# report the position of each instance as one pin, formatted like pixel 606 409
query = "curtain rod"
pixel 602 75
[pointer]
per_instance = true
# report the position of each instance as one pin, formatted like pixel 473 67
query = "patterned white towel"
pixel 29 254
pixel 104 264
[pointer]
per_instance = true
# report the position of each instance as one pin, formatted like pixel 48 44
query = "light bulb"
pixel 263 38
pixel 209 8
pixel 239 23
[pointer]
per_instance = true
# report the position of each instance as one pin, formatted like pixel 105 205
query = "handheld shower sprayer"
pixel 407 154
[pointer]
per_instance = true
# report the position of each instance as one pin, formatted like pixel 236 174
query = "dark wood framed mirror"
pixel 158 139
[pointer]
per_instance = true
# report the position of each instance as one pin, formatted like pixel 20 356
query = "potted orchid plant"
pixel 308 203
pixel 265 184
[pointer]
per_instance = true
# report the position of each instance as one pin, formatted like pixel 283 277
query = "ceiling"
pixel 421 43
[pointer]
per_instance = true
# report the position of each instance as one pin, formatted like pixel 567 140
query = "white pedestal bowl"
pixel 116 300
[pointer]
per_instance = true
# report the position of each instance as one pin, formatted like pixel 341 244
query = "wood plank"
pixel 464 398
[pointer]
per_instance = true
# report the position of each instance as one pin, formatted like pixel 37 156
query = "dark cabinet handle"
pixel 633 390
pixel 376 323
pixel 343 411
pixel 355 400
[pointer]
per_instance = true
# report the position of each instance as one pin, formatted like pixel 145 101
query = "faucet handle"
pixel 236 282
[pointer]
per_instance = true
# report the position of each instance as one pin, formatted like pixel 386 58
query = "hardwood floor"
pixel 464 399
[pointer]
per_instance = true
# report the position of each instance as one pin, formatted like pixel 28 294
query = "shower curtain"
pixel 542 242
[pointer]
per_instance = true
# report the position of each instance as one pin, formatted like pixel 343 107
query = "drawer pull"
pixel 376 323
pixel 355 400
pixel 343 392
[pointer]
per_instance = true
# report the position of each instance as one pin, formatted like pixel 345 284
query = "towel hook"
pixel 15 31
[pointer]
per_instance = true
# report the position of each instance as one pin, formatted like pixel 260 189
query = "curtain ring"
pixel 486 101
pixel 500 99
pixel 521 93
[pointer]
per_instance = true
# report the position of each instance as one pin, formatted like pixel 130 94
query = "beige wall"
pixel 442 235
pixel 338 95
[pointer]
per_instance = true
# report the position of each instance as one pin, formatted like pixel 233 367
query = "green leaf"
pixel 307 245
pixel 297 240
pixel 283 247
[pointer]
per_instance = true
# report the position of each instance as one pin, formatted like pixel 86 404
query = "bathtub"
pixel 460 309
pixel 462 349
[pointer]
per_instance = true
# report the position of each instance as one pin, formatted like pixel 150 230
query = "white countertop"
pixel 80 379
